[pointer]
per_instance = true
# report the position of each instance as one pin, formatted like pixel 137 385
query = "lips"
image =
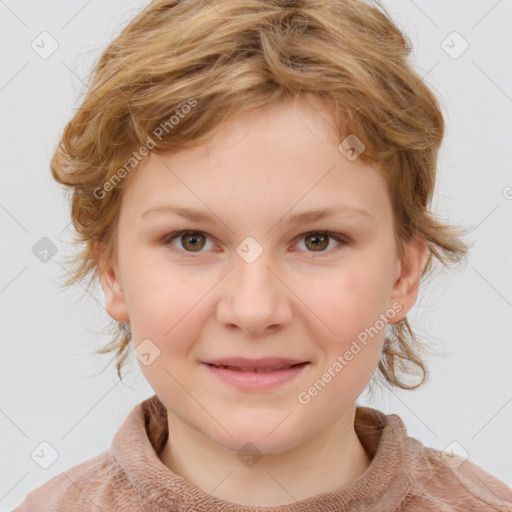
pixel 256 375
pixel 258 370
pixel 263 365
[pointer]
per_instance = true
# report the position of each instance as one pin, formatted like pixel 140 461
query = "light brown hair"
pixel 230 56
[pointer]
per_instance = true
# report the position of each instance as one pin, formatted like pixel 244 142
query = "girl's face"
pixel 251 282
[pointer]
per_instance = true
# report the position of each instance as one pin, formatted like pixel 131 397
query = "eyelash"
pixel 169 238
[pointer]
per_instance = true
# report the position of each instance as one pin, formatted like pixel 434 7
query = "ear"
pixel 115 303
pixel 408 276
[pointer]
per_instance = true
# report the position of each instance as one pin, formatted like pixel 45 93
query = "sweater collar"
pixel 381 487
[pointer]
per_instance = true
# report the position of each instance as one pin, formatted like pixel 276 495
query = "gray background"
pixel 51 386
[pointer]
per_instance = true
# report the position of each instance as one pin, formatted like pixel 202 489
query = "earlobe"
pixel 405 289
pixel 115 303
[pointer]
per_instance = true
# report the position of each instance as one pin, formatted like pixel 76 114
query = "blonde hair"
pixel 232 56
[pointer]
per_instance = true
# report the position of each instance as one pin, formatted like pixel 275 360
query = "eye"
pixel 318 241
pixel 194 241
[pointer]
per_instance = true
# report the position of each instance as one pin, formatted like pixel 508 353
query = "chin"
pixel 245 438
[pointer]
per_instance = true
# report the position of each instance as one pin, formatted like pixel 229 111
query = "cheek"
pixel 354 309
pixel 170 309
pixel 348 299
pixel 157 303
pixel 365 308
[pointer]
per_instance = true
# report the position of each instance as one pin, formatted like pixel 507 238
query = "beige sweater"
pixel 404 475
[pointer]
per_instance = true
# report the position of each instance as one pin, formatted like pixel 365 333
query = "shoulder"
pixel 451 483
pixel 85 487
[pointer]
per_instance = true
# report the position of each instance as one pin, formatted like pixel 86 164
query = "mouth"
pixel 260 378
pixel 265 369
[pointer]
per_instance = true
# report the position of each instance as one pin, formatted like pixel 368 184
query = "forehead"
pixel 284 158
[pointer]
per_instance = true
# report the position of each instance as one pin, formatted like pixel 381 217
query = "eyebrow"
pixel 195 215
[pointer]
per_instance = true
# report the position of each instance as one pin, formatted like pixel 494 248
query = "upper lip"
pixel 265 362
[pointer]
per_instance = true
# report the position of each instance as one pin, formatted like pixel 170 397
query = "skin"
pixel 292 301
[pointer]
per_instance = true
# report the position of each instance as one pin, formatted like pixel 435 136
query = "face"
pixel 252 282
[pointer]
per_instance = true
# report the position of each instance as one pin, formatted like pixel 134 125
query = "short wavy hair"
pixel 231 56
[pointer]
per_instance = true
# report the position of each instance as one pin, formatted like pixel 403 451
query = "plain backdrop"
pixel 52 386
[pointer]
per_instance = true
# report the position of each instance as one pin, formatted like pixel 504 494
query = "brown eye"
pixel 319 241
pixel 191 241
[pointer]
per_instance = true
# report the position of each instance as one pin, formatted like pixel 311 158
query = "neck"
pixel 327 462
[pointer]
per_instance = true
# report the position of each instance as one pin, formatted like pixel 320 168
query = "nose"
pixel 255 298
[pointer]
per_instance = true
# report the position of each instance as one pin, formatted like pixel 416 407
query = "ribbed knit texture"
pixel 404 475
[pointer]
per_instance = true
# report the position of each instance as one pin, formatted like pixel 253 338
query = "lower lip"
pixel 254 380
